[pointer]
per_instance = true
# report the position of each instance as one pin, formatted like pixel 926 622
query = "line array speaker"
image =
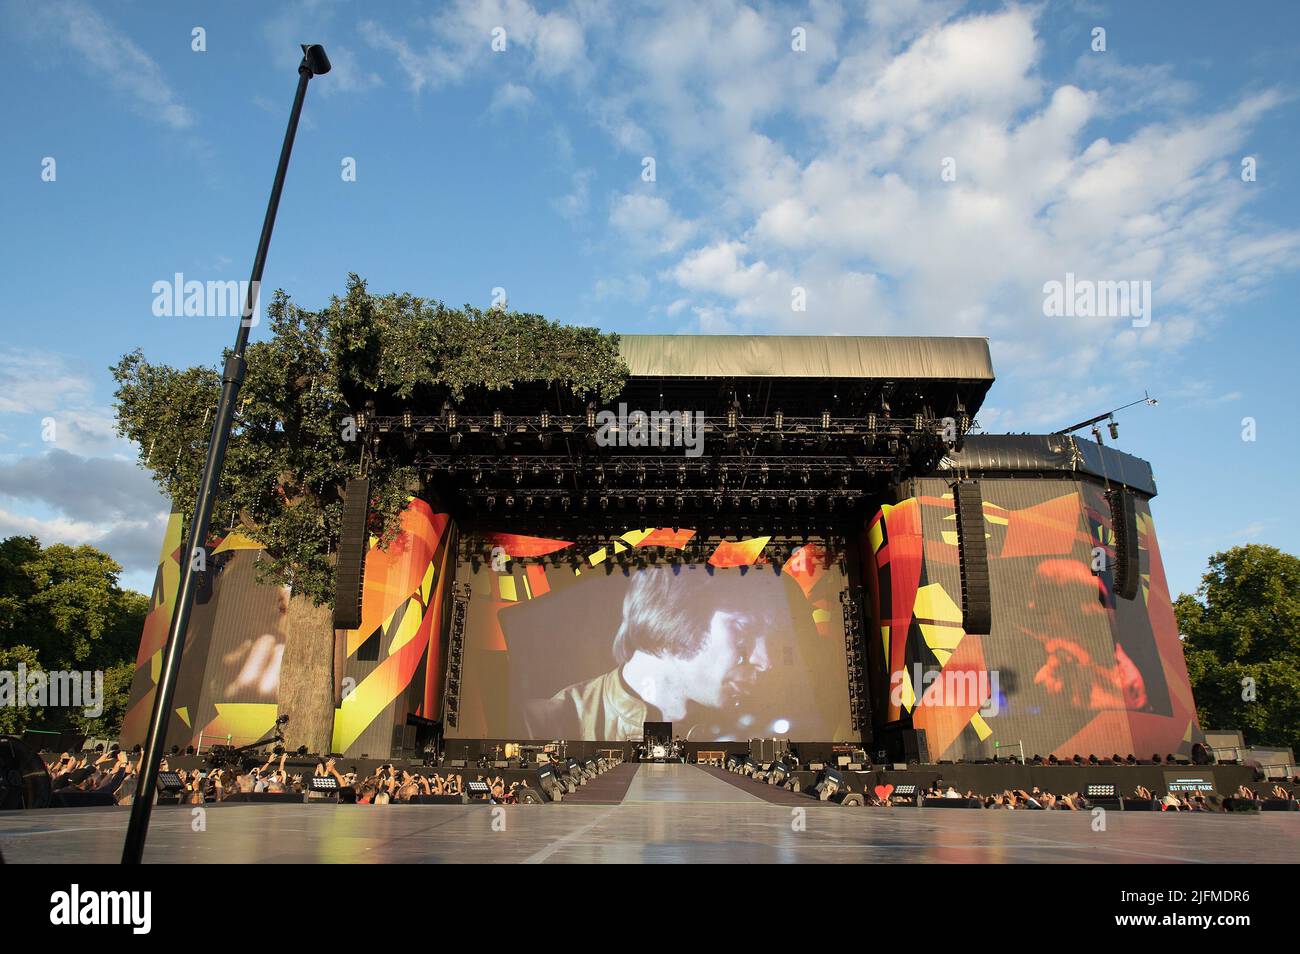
pixel 976 604
pixel 349 568
pixel 1123 522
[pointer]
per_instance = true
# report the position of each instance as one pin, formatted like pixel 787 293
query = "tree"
pixel 15 716
pixel 1242 644
pixel 65 603
pixel 294 446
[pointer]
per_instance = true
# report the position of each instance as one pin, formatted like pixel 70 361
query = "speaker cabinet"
pixel 915 748
pixel 976 604
pixel 1123 522
pixel 349 568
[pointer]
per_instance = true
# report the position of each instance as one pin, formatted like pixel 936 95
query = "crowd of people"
pixel 1035 799
pixel 114 773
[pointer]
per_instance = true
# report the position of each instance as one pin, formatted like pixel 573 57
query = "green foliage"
pixel 16 719
pixel 288 459
pixel 1242 633
pixel 117 695
pixel 65 604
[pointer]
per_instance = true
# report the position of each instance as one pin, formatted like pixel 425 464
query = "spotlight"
pixel 794 504
pixel 640 503
pixel 591 415
pixel 826 420
pixel 604 503
pixel 497 418
pixel 754 502
pixel 779 420
pixel 679 502
pixel 406 419
pixel 1114 430
pixel 546 419
pixel 732 417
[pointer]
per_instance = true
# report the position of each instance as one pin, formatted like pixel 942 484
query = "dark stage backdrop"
pixel 1069 666
pixel 734 646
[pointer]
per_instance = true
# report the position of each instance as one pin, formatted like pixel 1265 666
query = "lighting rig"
pixel 778 464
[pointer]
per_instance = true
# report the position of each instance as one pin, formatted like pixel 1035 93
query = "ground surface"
pixel 670 813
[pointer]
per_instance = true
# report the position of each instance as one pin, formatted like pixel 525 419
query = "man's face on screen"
pixel 728 665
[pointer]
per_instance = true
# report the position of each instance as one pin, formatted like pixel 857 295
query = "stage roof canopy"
pixel 807 356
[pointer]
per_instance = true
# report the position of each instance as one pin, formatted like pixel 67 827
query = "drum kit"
pixel 659 751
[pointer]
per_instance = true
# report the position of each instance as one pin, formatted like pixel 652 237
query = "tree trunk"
pixel 307 676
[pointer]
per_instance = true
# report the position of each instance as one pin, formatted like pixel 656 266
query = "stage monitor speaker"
pixel 349 567
pixel 528 796
pixel 973 558
pixel 1123 522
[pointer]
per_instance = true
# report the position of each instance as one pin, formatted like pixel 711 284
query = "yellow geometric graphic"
pixel 507 588
pixel 408 627
pixel 909 693
pixel 980 726
pixel 237 541
pixel 184 713
pixel 876 535
pixel 933 602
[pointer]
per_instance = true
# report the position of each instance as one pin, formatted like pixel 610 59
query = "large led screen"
pixel 587 650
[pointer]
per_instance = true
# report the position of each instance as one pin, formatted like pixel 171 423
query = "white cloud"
pixel 512 97
pixel 821 170
pixel 649 223
pixel 108 56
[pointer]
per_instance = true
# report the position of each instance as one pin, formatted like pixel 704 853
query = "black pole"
pixel 314 63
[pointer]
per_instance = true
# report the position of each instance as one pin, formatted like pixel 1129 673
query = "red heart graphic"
pixel 884 791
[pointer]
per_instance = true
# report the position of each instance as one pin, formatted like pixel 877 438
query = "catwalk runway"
pixel 670 813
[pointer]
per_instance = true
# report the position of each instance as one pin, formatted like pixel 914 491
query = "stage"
pixel 667 814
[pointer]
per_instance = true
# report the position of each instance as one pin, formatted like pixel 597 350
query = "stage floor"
pixel 670 813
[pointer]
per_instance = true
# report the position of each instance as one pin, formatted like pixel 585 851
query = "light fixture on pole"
pixel 314 63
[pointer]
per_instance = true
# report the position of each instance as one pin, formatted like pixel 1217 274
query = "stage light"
pixel 779 420
pixel 732 417
pixel 546 419
pixel 826 420
pixel 1114 430
pixel 754 502
pixel 491 502
pixel 510 501
pixel 659 502
pixel 497 419
pixel 794 504
pixel 591 415
pixel 640 503
pixel 679 502
pixel 406 418
pixel 762 473
pixel 717 502
pixel 451 417
pixel 604 503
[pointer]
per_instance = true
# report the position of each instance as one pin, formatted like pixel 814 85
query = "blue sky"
pixel 775 168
